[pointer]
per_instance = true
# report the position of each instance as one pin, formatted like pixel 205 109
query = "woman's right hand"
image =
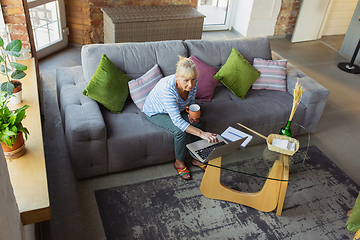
pixel 210 137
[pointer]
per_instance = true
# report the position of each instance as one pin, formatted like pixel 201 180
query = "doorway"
pixel 217 13
pixel 48 20
pixel 337 23
pixel 326 20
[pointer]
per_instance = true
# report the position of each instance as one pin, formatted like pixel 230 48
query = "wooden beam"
pixel 33 53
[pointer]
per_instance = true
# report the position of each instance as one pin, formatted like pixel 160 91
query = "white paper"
pixel 232 134
pixel 284 144
pixel 280 143
pixel 291 146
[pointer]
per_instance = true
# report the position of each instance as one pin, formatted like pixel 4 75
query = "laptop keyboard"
pixel 205 152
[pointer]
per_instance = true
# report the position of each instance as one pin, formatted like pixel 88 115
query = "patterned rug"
pixel 315 207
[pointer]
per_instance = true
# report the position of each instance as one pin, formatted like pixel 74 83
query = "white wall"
pixel 10 223
pixel 256 17
pixel 339 17
pixel 11 227
pixel 242 13
pixel 263 17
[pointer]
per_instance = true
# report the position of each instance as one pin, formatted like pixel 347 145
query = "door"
pixel 48 20
pixel 217 13
pixel 309 22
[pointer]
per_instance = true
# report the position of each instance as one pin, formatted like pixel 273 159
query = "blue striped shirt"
pixel 164 98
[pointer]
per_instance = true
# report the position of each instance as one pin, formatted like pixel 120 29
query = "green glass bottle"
pixel 286 130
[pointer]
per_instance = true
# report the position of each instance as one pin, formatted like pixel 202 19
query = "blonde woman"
pixel 165 105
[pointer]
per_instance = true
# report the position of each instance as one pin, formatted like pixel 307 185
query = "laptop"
pixel 204 151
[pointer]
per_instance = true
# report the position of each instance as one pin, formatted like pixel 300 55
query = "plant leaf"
pixel 18 74
pixel 12 119
pixel 14 45
pixel 6 136
pixel 2 69
pixel 8 88
pixel 12 53
pixel 3 126
pixel 7 141
pixel 20 115
pixel 14 129
pixel 18 66
pixel 1 42
pixel 22 108
pixel 25 131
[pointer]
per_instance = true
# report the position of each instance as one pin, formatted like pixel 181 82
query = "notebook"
pixel 204 151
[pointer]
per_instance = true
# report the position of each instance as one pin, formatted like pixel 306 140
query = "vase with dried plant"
pixel 12 70
pixel 298 91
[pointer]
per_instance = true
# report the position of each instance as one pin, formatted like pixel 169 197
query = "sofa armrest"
pixel 276 56
pixel 314 97
pixel 83 122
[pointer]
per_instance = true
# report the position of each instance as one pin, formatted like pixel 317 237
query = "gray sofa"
pixel 100 142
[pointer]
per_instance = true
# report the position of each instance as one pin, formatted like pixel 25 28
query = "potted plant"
pixel 11 129
pixel 12 70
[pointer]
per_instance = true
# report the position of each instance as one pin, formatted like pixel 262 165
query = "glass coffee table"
pixel 276 169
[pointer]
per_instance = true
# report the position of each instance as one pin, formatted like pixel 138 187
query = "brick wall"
pixel 14 16
pixel 78 20
pixel 85 19
pixel 85 22
pixel 286 20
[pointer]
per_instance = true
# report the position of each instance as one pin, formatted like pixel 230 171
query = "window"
pixel 4 33
pixel 46 25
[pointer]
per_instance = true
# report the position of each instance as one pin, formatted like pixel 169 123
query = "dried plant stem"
pixel 298 91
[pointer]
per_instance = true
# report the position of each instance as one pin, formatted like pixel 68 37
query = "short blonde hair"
pixel 186 68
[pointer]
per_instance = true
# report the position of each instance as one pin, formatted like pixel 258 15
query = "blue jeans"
pixel 180 138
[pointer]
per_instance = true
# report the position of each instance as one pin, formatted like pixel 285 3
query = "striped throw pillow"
pixel 273 74
pixel 140 87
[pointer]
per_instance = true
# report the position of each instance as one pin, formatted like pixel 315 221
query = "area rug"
pixel 315 207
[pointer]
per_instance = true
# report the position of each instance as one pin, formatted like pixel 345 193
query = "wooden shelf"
pixel 28 172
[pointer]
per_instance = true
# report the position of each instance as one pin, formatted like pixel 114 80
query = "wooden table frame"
pixel 272 194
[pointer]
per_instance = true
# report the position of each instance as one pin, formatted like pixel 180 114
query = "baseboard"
pixel 237 33
pixel 285 35
pixel 75 45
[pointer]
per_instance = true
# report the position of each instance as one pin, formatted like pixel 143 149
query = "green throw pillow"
pixel 237 74
pixel 108 86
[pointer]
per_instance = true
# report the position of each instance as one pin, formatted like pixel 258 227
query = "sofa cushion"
pixel 108 86
pixel 273 74
pixel 140 87
pixel 134 59
pixel 237 74
pixel 133 141
pixel 206 81
pixel 215 53
pixel 257 109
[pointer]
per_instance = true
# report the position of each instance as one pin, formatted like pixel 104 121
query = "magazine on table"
pixel 233 134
